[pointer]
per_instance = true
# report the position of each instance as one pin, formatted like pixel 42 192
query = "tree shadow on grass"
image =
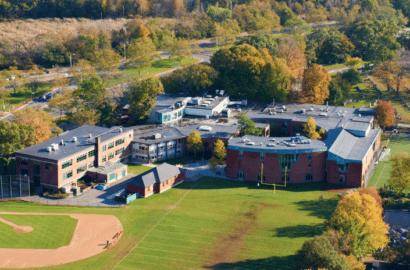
pixel 299 231
pixel 321 208
pixel 277 263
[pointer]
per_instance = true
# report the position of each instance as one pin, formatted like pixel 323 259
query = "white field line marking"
pixel 166 214
pixel 168 258
pixel 209 243
pixel 161 264
pixel 194 248
pixel 250 235
pixel 186 234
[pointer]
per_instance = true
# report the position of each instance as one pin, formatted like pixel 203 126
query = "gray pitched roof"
pixel 348 147
pixel 158 174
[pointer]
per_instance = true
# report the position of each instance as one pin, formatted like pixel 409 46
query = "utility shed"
pixel 156 180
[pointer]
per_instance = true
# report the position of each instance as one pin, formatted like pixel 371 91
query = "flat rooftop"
pixel 208 130
pixel 281 145
pixel 146 134
pixel 108 168
pixel 206 103
pixel 85 140
pixel 327 117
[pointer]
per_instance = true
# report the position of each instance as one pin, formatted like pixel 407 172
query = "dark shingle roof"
pixel 158 174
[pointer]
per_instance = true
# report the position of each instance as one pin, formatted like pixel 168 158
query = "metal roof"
pixel 158 174
pixel 84 142
pixel 350 148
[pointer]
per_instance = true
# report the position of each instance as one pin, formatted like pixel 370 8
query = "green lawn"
pixel 50 232
pixel 156 67
pixel 174 161
pixel 22 96
pixel 397 145
pixel 209 224
pixel 370 95
pixel 138 169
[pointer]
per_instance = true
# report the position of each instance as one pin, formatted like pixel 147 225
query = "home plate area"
pixel 92 235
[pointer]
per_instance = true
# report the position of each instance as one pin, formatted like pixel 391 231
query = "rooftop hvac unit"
pixel 360 115
pixel 54 146
pixel 272 140
pixel 292 144
pixel 90 135
pixel 205 128
pixel 221 93
pixel 271 144
pixel 250 143
pixel 74 139
pixel 120 130
pixel 157 136
pixel 309 141
pixel 303 110
pixel 49 149
pixel 322 114
pixel 281 111
pixel 62 142
pixel 311 109
pixel 217 92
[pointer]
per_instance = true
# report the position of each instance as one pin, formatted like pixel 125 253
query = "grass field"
pixel 137 169
pixel 50 232
pixel 370 95
pixel 397 145
pixel 209 224
pixel 22 96
pixel 156 67
pixel 174 161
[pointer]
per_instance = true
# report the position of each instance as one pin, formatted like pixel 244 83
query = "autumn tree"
pixel 43 123
pixel 142 97
pixel 400 172
pixel 360 216
pixel 194 143
pixel 310 129
pixel 220 151
pixel 141 52
pixel 262 42
pixel 84 116
pixel 290 50
pixel 142 31
pixel 385 114
pixel 181 48
pixel 106 60
pixel 315 86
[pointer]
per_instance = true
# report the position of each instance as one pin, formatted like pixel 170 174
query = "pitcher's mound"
pixel 23 229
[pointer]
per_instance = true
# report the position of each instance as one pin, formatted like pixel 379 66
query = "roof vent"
pixel 309 141
pixel 49 149
pixel 90 135
pixel 261 144
pixel 303 110
pixel 62 142
pixel 221 93
pixel 272 140
pixel 322 114
pixel 157 136
pixel 250 143
pixel 281 111
pixel 292 144
pixel 120 130
pixel 360 115
pixel 74 139
pixel 271 144
pixel 311 109
pixel 54 146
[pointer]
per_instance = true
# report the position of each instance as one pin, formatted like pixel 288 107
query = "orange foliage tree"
pixel 315 86
pixel 385 114
pixel 360 216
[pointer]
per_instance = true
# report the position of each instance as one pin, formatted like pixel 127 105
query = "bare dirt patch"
pixel 228 246
pixel 17 228
pixel 90 238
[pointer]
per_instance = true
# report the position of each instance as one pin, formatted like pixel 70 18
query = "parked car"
pixel 100 187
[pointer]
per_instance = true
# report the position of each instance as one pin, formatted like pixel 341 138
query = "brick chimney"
pixel 98 152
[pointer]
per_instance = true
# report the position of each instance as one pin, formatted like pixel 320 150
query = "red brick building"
pixel 61 161
pixel 156 180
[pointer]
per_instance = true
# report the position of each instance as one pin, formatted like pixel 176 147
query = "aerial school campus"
pixel 229 220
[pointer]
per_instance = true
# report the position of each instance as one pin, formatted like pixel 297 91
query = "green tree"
pixel 319 253
pixel 262 42
pixel 91 92
pixel 142 97
pixel 142 52
pixel 13 137
pixel 192 80
pixel 194 143
pixel 400 172
pixel 106 59
pixel 84 116
pixel 247 126
pixel 310 129
pixel 220 151
pixel 219 14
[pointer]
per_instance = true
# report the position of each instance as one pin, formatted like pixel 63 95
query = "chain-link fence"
pixel 14 187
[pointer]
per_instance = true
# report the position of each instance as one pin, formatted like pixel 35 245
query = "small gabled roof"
pixel 158 174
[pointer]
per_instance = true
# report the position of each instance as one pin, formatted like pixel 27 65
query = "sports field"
pixel 397 145
pixel 50 232
pixel 209 224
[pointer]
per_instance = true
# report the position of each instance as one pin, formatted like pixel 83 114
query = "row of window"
pixel 241 175
pixel 80 169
